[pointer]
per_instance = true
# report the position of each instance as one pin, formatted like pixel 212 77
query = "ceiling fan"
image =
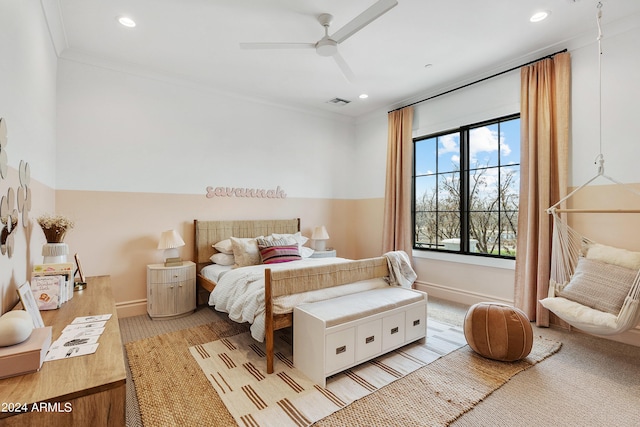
pixel 328 45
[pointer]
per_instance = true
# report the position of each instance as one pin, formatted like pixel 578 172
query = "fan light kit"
pixel 328 45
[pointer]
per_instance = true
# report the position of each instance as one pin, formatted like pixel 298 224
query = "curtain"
pixel 544 119
pixel 397 234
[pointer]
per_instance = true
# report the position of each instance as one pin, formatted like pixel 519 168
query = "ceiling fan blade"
pixel 344 67
pixel 365 18
pixel 277 45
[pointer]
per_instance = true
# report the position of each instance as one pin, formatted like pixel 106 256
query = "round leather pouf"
pixel 498 331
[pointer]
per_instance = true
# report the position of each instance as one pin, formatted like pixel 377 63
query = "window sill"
pixel 507 264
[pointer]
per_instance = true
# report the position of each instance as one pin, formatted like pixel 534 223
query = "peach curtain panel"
pixel 544 118
pixel 396 229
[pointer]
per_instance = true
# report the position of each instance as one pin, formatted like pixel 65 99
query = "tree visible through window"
pixel 466 184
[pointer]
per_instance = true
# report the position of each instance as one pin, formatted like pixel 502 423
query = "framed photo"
pixel 30 305
pixel 80 272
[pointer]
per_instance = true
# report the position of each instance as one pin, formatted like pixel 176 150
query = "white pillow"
pixel 245 252
pixel 305 252
pixel 573 313
pixel 224 246
pixel 222 259
pixel 298 237
pixel 615 256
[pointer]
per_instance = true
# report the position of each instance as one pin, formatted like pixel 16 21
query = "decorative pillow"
pixel 223 259
pixel 599 285
pixel 278 254
pixel 298 237
pixel 615 256
pixel 305 252
pixel 275 241
pixel 245 251
pixel 224 246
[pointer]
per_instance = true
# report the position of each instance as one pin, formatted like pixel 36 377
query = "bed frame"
pixel 280 282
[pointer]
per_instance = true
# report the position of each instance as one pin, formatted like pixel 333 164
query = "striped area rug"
pixel 236 368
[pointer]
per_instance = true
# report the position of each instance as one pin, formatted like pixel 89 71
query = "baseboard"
pixel 457 295
pixel 131 308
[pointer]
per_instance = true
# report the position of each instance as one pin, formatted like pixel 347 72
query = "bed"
pixel 282 285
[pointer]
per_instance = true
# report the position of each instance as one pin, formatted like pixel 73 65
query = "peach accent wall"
pixel 621 230
pixel 117 233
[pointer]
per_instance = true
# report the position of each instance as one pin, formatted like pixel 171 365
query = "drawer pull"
pixel 416 322
pixel 369 340
pixel 394 330
pixel 341 349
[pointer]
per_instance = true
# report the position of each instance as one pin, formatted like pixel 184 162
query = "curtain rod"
pixel 480 80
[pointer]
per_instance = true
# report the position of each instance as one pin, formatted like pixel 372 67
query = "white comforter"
pixel 240 292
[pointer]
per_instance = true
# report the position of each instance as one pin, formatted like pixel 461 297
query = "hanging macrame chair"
pixel 599 294
pixel 568 248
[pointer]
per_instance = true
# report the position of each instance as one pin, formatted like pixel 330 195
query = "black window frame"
pixel 465 170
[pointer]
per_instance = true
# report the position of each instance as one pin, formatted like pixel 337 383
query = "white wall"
pixel 27 103
pixel 118 131
pixel 469 279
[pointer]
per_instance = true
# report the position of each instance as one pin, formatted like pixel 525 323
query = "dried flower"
pixel 54 227
pixel 55 221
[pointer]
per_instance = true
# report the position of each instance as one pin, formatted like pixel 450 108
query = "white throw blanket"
pixel 400 271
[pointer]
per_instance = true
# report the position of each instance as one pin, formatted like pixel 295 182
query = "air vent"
pixel 338 101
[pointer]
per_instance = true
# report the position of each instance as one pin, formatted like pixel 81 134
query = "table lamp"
pixel 320 237
pixel 170 241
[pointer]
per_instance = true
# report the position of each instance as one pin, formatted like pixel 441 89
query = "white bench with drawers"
pixel 333 335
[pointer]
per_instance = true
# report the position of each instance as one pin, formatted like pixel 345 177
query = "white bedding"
pixel 240 292
pixel 214 272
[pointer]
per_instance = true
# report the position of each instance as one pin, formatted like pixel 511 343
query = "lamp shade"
pixel 320 233
pixel 170 239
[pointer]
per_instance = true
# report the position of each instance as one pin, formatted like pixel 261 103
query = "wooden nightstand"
pixel 171 291
pixel 324 254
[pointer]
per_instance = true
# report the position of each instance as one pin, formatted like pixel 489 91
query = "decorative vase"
pixel 54 234
pixel 55 253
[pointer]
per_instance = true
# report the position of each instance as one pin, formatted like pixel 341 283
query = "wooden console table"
pixel 80 391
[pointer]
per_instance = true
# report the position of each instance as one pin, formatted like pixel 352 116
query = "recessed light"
pixel 126 21
pixel 540 16
pixel 363 96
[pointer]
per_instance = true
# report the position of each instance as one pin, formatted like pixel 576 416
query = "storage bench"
pixel 333 335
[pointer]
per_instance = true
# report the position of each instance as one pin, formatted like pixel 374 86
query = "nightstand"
pixel 330 253
pixel 171 291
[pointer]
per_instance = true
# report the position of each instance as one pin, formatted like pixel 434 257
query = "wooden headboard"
pixel 207 233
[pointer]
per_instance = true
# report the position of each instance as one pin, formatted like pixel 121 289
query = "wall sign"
pixel 256 193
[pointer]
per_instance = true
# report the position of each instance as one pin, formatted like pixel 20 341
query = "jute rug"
pixel 236 368
pixel 172 390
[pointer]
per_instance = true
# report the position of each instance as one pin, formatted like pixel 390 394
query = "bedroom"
pixel 128 153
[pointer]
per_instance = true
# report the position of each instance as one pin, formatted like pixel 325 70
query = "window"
pixel 465 189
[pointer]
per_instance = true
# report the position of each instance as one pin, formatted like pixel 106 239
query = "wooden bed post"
pixel 268 327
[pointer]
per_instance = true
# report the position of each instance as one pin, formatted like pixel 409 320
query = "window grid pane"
pixel 491 171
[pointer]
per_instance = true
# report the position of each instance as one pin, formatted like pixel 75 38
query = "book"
pixel 47 291
pixel 62 269
pixel 27 356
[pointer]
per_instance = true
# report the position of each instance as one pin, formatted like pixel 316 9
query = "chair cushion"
pixel 599 285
